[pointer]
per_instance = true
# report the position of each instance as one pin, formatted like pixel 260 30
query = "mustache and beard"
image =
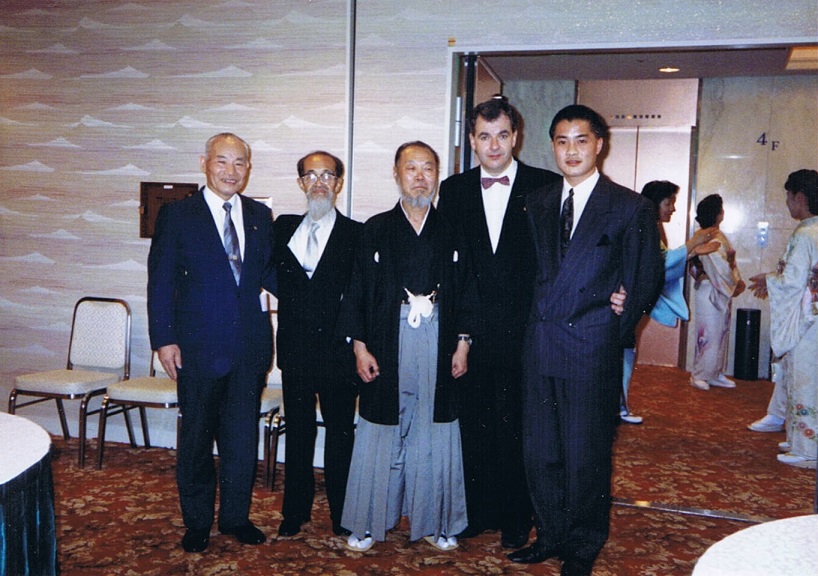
pixel 421 201
pixel 319 205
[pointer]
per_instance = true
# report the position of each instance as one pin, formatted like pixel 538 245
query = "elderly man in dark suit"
pixel 591 237
pixel 210 256
pixel 314 253
pixel 487 203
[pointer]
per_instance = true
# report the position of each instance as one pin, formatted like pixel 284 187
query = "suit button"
pixel 542 319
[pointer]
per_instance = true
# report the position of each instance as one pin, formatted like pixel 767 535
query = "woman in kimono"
pixel 717 282
pixel 793 293
pixel 671 305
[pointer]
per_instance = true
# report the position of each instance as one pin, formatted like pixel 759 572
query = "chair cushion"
pixel 144 389
pixel 271 398
pixel 62 381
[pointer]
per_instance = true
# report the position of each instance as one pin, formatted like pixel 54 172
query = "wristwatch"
pixel 465 338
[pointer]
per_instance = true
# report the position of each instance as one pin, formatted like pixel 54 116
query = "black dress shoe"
pixel 339 530
pixel 247 534
pixel 533 554
pixel 514 539
pixel 195 540
pixel 289 527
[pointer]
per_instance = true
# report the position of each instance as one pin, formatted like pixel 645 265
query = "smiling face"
pixel 666 208
pixel 493 143
pixel 416 175
pixel 226 165
pixel 576 148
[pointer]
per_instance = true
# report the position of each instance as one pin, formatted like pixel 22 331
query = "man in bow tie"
pixel 487 203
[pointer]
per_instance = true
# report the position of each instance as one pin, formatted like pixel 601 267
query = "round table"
pixel 26 498
pixel 779 548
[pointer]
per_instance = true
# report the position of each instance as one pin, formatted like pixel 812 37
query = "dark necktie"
pixel 231 243
pixel 566 222
pixel 311 256
pixel 488 182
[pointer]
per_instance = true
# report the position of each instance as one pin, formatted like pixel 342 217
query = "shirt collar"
pixel 584 188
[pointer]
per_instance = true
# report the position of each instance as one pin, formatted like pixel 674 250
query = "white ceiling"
pixel 634 64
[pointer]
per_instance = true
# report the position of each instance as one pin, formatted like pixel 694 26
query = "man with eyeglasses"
pixel 313 256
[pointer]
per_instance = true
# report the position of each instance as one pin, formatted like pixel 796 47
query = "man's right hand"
pixel 171 358
pixel 365 363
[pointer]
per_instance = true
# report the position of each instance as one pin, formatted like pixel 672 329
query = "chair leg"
pixel 143 418
pixel 83 420
pixel 126 413
pixel 277 430
pixel 103 419
pixel 63 421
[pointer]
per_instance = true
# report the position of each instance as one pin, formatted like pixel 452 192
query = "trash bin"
pixel 748 328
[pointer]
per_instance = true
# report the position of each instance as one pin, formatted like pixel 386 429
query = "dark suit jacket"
pixel 505 277
pixel 308 308
pixel 572 331
pixel 193 300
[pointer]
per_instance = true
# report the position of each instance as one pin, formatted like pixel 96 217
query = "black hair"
pixel 580 112
pixel 491 110
pixel 708 210
pixel 806 182
pixel 658 190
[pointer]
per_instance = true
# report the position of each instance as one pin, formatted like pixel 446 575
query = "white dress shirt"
pixel 298 241
pixel 216 205
pixel 495 201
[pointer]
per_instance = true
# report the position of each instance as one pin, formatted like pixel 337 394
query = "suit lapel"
pixel 477 213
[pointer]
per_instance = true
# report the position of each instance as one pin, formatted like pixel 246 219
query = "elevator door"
pixel 637 156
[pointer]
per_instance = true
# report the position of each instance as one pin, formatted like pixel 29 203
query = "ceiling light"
pixel 803 58
pixel 668 69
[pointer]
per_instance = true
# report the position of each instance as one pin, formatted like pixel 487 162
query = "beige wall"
pixel 97 96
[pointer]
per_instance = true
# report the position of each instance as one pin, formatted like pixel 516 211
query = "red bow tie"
pixel 487 182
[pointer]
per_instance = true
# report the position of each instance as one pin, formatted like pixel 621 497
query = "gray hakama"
pixel 414 469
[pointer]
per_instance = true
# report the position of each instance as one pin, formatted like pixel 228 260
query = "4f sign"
pixel 763 141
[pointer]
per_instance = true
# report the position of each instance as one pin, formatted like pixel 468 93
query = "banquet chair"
pixel 271 412
pixel 99 354
pixel 156 390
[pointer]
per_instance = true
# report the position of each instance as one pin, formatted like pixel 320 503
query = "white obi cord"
pixel 419 305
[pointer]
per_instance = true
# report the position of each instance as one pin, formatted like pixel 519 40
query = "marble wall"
pixel 753 132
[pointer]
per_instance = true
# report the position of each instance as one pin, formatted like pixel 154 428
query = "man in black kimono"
pixel 409 315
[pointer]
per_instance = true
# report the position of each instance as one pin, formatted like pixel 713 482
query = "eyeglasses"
pixel 311 178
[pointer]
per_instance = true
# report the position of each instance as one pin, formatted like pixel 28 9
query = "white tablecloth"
pixel 22 444
pixel 786 547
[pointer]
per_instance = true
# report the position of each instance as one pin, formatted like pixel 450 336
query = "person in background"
pixel 591 237
pixel 487 203
pixel 793 293
pixel 717 282
pixel 671 305
pixel 210 256
pixel 313 256
pixel 409 314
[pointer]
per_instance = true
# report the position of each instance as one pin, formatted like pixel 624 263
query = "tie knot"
pixel 489 182
pixel 571 193
pixel 227 207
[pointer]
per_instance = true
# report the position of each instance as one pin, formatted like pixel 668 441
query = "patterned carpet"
pixel 693 459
